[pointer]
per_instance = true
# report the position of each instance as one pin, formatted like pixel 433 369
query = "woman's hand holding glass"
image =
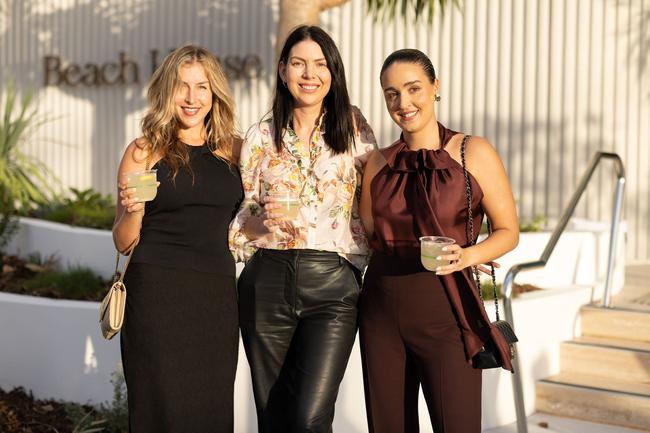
pixel 280 207
pixel 137 188
pixel 270 215
pixel 277 208
pixel 459 258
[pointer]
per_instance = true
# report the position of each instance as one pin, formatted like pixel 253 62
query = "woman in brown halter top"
pixel 420 327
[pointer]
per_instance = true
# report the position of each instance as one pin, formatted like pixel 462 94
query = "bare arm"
pixel 375 163
pixel 129 211
pixel 484 164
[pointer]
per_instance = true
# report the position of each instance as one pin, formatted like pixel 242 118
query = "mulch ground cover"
pixel 20 412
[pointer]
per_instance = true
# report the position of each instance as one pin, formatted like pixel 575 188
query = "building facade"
pixel 548 82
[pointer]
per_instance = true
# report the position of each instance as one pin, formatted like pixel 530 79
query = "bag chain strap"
pixel 470 226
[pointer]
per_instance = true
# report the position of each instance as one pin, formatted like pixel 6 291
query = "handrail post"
pixel 613 240
pixel 517 385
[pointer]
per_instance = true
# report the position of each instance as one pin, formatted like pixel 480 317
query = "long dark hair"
pixel 410 55
pixel 339 127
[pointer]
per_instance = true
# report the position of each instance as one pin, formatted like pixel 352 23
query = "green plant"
pixel 535 225
pixel 8 224
pixel 117 412
pixel 389 8
pixel 85 208
pixel 75 283
pixel 106 418
pixel 517 289
pixel 24 181
pixel 83 419
pixel 41 263
pixel 488 291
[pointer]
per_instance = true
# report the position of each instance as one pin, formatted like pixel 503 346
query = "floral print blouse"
pixel 328 185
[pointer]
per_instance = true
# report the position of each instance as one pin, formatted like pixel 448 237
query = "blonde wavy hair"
pixel 160 126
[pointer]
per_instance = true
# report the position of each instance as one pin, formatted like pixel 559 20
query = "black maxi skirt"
pixel 179 344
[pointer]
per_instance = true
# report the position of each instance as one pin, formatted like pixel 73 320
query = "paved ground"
pixel 542 423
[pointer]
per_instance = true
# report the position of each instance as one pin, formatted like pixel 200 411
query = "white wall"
pixel 548 82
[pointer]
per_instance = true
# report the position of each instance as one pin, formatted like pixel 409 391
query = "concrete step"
pixel 623 360
pixel 615 323
pixel 595 399
pixel 545 423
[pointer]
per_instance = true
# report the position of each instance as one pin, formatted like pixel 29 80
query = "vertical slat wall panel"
pixel 548 82
pixel 641 108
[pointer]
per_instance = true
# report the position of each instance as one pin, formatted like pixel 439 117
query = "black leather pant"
pixel 298 319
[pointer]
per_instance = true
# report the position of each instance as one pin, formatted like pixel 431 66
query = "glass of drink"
pixel 145 184
pixel 430 248
pixel 289 202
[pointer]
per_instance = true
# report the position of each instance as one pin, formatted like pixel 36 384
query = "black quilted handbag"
pixel 488 356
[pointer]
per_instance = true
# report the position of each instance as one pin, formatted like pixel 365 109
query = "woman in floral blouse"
pixel 298 292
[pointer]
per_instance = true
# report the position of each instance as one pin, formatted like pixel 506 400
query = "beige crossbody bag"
pixel 111 311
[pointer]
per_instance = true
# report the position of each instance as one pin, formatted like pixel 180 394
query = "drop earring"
pixel 437 98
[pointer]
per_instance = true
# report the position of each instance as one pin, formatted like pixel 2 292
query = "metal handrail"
pixel 517 387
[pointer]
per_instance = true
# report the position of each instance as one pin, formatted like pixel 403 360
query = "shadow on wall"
pixel 639 33
pixel 545 160
pixel 123 40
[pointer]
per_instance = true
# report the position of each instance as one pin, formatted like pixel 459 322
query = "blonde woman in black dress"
pixel 180 338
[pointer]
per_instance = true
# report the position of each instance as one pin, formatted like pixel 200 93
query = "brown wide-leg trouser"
pixel 410 337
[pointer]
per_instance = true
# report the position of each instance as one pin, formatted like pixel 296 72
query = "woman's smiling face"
pixel 193 97
pixel 306 74
pixel 409 95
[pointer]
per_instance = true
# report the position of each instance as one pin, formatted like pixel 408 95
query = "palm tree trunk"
pixel 297 12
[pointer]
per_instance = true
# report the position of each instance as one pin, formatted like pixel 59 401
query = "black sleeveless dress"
pixel 180 338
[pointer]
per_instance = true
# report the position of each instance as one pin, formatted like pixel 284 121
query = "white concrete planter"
pixel 579 259
pixel 54 348
pixel 73 246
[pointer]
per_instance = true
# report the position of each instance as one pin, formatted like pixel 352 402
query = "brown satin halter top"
pixel 420 193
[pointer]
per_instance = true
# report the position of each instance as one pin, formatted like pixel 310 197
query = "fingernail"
pixel 444 248
pixel 438 269
pixel 439 258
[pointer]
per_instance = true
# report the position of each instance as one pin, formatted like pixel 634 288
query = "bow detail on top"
pixel 403 160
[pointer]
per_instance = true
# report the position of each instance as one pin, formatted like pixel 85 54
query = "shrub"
pixel 24 181
pixel 106 418
pixel 86 208
pixel 75 283
pixel 535 225
pixel 517 289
